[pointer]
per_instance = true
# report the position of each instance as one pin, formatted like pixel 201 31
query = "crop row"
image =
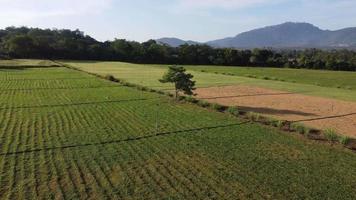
pixel 116 142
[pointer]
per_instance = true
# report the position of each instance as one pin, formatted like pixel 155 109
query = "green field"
pixel 68 135
pixel 148 75
pixel 334 79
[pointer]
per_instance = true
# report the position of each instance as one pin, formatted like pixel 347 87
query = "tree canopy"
pixel 182 81
pixel 26 42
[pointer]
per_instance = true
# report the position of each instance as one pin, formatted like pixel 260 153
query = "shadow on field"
pixel 58 88
pixel 77 104
pixel 160 134
pixel 24 67
pixel 328 117
pixel 248 95
pixel 271 111
pixel 46 79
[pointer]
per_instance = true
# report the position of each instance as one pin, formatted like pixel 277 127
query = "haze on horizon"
pixel 200 20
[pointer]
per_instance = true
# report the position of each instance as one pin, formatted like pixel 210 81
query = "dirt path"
pixel 315 112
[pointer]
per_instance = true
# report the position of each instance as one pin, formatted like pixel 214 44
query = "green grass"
pixel 65 134
pixel 334 79
pixel 26 62
pixel 148 75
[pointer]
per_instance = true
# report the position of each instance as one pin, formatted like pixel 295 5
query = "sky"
pixel 199 20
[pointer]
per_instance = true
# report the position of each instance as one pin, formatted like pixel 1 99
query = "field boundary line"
pixel 322 118
pixel 77 104
pixel 45 79
pixel 59 88
pixel 149 135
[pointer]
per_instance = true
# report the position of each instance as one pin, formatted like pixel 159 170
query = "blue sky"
pixel 199 20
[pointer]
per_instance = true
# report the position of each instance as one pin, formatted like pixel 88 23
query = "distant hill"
pixel 288 35
pixel 175 42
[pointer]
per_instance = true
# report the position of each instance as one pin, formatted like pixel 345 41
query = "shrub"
pixel 218 107
pixel 344 140
pixel 142 88
pixel 191 99
pixel 253 116
pixel 280 123
pixel 233 110
pixel 203 104
pixel 331 135
pixel 300 128
pixel 181 98
pixel 251 76
pixel 110 77
pixel 266 78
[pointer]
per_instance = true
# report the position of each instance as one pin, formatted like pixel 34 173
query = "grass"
pixel 67 135
pixel 331 135
pixel 334 79
pixel 148 75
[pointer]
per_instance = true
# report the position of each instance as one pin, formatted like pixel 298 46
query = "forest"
pixel 24 42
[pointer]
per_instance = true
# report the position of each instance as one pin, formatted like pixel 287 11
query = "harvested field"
pixel 317 112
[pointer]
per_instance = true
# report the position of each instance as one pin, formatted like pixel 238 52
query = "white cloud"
pixel 21 11
pixel 226 4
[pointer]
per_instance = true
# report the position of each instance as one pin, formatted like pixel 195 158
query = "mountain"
pixel 287 35
pixel 175 42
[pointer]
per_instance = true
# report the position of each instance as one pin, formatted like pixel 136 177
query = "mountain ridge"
pixel 285 35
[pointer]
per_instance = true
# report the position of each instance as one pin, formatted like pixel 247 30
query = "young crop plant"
pixel 203 104
pixel 344 140
pixel 218 107
pixel 280 123
pixel 233 110
pixel 331 135
pixel 254 116
pixel 300 128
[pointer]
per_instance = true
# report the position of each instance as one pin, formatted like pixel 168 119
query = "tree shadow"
pixel 76 104
pixel 326 117
pixel 248 95
pixel 130 139
pixel 271 111
pixel 24 67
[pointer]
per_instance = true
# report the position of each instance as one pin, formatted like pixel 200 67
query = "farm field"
pixel 304 103
pixel 333 79
pixel 134 72
pixel 68 135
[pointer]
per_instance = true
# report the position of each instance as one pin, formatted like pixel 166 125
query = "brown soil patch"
pixel 316 112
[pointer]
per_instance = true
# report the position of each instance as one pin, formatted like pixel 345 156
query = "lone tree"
pixel 182 80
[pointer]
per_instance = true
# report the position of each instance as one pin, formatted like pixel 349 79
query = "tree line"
pixel 23 42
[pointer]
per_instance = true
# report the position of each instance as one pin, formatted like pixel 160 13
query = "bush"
pixel 110 78
pixel 253 116
pixel 181 98
pixel 233 110
pixel 300 128
pixel 203 104
pixel 331 135
pixel 191 99
pixel 218 107
pixel 280 123
pixel 344 140
pixel 142 88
